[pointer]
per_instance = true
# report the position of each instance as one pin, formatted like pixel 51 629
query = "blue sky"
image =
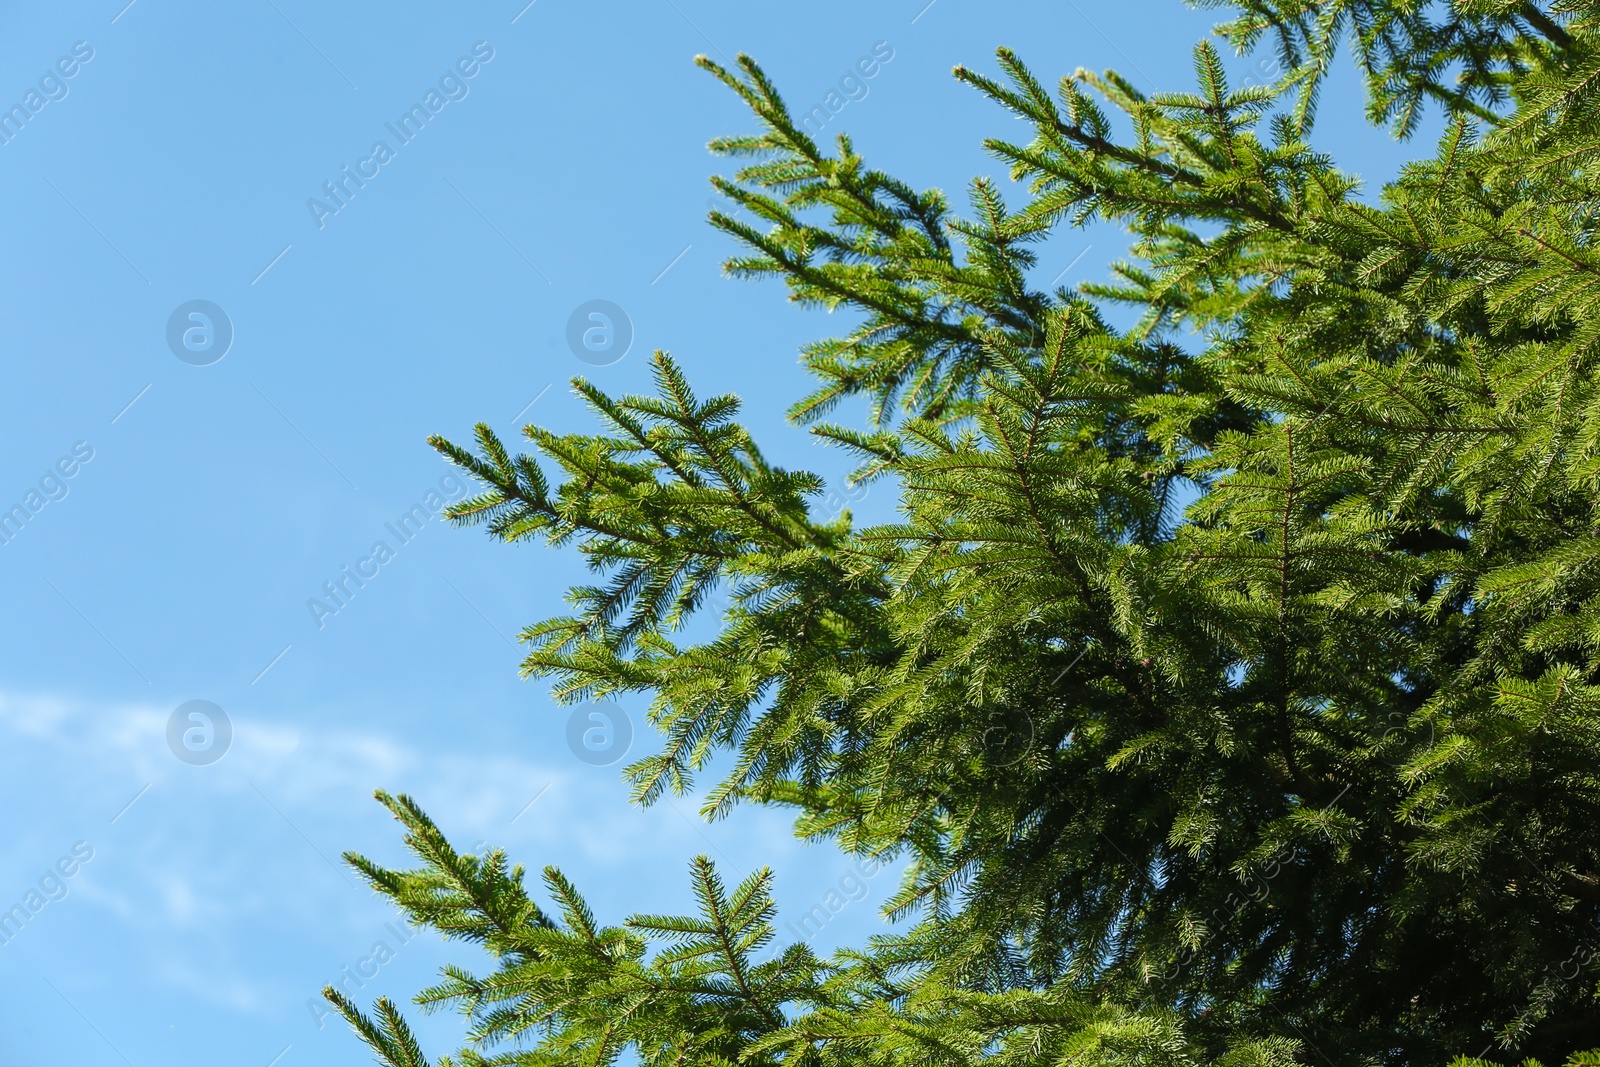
pixel 185 508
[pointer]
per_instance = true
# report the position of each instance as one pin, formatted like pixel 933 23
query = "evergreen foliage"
pixel 1228 680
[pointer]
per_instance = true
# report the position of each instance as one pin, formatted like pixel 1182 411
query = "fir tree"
pixel 1228 681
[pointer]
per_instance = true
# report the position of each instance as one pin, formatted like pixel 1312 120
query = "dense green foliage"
pixel 1228 680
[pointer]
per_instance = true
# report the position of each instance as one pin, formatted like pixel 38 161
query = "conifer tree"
pixel 1228 681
